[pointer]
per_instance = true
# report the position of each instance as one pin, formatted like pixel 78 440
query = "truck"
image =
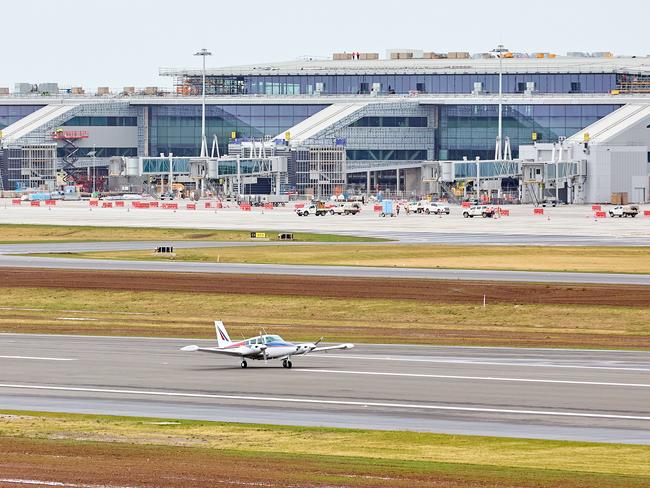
pixel 621 211
pixel 436 208
pixel 347 208
pixel 484 211
pixel 316 208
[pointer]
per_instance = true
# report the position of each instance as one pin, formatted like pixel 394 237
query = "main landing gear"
pixel 287 364
pixel 244 364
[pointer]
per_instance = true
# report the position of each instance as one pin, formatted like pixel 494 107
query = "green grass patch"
pixel 19 233
pixel 501 458
pixel 190 314
pixel 518 258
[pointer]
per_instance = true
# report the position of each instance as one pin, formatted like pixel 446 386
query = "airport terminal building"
pixel 414 123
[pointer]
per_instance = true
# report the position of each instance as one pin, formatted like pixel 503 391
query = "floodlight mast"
pixel 499 52
pixel 204 145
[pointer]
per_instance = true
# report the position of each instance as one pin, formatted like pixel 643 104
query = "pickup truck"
pixel 312 209
pixel 346 209
pixel 436 208
pixel 484 211
pixel 624 211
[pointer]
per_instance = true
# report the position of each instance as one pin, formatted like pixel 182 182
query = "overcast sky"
pixel 125 42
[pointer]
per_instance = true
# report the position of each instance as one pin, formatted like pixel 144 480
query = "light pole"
pixel 499 52
pixel 92 154
pixel 204 145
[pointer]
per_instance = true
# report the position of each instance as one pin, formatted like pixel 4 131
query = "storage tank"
pixel 132 167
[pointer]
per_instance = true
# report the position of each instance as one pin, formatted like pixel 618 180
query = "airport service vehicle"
pixel 262 347
pixel 624 211
pixel 317 208
pixel 436 208
pixel 387 209
pixel 416 207
pixel 348 208
pixel 484 211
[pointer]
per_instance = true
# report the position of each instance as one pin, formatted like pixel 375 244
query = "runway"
pixel 8 260
pixel 536 393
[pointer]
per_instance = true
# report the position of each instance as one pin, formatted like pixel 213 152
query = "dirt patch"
pixel 121 465
pixel 437 291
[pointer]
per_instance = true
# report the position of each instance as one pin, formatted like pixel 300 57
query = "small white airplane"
pixel 262 347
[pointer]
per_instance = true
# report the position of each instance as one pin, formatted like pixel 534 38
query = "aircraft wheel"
pixel 289 364
pixel 244 364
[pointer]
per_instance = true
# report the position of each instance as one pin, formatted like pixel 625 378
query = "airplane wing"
pixel 213 350
pixel 331 348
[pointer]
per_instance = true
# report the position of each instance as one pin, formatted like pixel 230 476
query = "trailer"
pixel 387 209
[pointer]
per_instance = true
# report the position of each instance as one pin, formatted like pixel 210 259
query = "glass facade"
pixel 102 122
pixel 400 83
pixel 471 130
pixel 391 122
pixel 177 128
pixel 101 152
pixel 386 154
pixel 13 113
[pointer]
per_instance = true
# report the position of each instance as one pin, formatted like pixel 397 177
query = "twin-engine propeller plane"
pixel 261 347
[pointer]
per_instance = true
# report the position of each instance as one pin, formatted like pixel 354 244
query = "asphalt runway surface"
pixel 536 393
pixel 13 261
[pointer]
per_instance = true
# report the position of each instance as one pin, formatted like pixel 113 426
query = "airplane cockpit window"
pixel 272 338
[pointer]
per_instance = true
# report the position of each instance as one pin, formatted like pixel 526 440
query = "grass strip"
pixel 24 233
pixel 190 314
pixel 632 260
pixel 502 460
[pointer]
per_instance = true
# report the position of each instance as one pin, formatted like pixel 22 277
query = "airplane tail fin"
pixel 223 339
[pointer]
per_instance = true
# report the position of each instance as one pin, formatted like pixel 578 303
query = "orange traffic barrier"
pixel 35 203
pixel 538 211
pixel 191 206
pixel 107 204
pixel 119 204
pixel 16 201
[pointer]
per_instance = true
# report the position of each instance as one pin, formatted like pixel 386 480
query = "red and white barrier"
pixel 16 201
pixel 93 203
pixel 504 213
pixel 191 206
pixel 377 208
pixel 153 204
pixel 207 205
pixel 596 208
pixel 35 203
pixel 466 204
pixel 245 207
pixel 600 215
pixel 119 204
pixel 170 206
pixel 107 204
pixel 646 213
pixel 268 206
pixel 538 211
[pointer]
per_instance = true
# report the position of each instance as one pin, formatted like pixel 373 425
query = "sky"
pixel 120 43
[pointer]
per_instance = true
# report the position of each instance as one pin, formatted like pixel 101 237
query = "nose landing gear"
pixel 287 364
pixel 244 364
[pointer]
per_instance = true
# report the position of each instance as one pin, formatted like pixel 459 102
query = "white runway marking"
pixel 480 378
pixel 479 362
pixel 37 358
pixel 82 319
pixel 410 406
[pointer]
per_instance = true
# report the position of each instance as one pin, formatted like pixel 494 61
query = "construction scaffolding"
pixel 320 171
pixel 31 166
